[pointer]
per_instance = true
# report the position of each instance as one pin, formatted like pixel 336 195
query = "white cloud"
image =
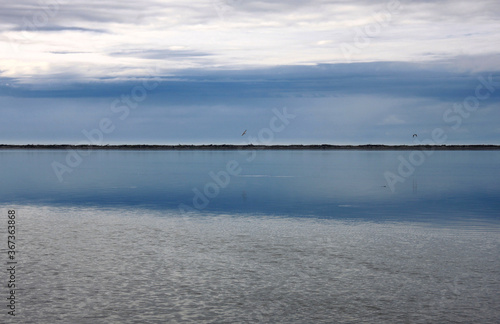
pixel 235 34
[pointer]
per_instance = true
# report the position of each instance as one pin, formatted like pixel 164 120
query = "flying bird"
pixel 244 132
pixel 414 135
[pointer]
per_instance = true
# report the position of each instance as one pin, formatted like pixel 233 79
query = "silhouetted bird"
pixel 414 135
pixel 244 132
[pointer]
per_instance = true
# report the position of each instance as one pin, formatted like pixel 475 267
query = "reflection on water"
pixel 456 185
pixel 292 237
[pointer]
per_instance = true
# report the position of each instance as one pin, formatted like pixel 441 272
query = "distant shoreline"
pixel 229 147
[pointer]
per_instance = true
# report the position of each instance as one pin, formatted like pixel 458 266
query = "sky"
pixel 288 72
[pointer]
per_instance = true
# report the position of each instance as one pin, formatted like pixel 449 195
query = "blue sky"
pixel 171 72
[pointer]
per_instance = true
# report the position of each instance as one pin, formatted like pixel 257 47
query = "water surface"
pixel 326 184
pixel 294 237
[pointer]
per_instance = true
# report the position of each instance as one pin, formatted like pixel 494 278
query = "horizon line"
pixel 254 146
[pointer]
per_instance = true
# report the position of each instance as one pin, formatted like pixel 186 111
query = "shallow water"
pixel 295 237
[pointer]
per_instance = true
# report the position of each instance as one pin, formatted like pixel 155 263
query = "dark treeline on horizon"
pixel 252 147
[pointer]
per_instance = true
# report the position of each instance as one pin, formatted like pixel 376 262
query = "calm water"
pixel 275 237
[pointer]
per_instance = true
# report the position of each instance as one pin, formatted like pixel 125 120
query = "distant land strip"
pixel 373 147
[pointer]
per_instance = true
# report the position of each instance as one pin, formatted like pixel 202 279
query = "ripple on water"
pixel 83 265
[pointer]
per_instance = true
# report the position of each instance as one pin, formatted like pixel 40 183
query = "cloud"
pixel 55 28
pixel 231 61
pixel 248 35
pixel 68 52
pixel 156 54
pixel 394 79
pixel 339 103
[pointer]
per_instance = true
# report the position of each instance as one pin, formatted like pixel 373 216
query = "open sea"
pixel 250 236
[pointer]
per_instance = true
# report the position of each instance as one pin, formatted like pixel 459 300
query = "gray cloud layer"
pixel 345 103
pixel 224 64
